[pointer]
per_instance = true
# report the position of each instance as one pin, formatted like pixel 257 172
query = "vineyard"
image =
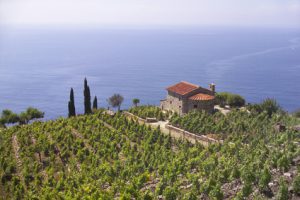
pixel 100 156
pixel 234 122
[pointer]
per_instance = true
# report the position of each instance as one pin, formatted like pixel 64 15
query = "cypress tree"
pixel 87 98
pixel 71 104
pixel 95 103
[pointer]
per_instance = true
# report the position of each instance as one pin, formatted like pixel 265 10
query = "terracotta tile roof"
pixel 182 88
pixel 202 97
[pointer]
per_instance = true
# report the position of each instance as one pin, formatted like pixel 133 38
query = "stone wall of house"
pixel 173 102
pixel 207 105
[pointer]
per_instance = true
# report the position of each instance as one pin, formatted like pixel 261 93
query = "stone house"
pixel 184 97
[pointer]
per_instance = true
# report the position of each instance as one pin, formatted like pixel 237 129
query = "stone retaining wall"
pixel 186 134
pixel 201 137
pixel 140 120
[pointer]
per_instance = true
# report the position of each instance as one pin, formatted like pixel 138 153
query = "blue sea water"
pixel 39 66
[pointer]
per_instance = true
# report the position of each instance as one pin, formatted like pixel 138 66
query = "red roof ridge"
pixel 182 87
pixel 189 83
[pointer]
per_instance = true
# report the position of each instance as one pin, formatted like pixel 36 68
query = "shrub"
pixel 270 106
pixel 216 193
pixel 283 193
pixel 236 101
pixel 247 189
pixel 296 184
pixel 233 100
pixel 265 178
pixel 170 193
pixel 297 113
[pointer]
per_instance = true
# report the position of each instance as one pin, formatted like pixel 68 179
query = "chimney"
pixel 212 87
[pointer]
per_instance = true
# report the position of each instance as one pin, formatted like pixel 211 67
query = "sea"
pixel 39 65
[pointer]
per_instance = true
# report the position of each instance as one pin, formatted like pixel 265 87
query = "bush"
pixel 216 193
pixel 283 193
pixel 297 113
pixel 265 178
pixel 296 184
pixel 170 193
pixel 270 106
pixel 236 100
pixel 230 99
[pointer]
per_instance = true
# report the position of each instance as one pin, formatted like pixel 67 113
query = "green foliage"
pixel 30 114
pixel 149 111
pixel 247 189
pixel 297 113
pixel 265 178
pixel 233 100
pixel 283 163
pixel 9 117
pixel 116 100
pixel 170 193
pixel 71 104
pixel 270 106
pixel 216 193
pixel 283 193
pixel 135 102
pixel 296 184
pixel 87 98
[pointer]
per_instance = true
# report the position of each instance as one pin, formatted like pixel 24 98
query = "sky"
pixel 143 13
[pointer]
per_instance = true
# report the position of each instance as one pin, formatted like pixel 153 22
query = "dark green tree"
pixel 71 104
pixel 95 103
pixel 9 117
pixel 87 98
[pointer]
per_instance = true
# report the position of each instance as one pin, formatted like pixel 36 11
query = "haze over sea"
pixel 39 66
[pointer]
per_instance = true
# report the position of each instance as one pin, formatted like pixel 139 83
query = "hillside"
pixel 100 156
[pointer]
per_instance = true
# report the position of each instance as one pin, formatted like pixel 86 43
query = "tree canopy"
pixel 116 100
pixel 135 102
pixel 9 117
pixel 226 98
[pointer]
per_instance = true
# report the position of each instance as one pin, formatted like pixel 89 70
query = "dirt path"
pixel 58 152
pixel 16 149
pixel 39 157
pixel 85 141
pixel 174 134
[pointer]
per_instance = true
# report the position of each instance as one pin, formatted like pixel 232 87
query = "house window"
pixel 170 102
pixel 195 106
